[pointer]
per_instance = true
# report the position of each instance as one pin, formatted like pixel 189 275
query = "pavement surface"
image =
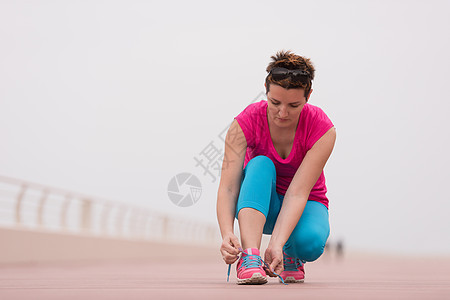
pixel 190 277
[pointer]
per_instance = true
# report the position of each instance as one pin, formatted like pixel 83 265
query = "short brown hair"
pixel 290 61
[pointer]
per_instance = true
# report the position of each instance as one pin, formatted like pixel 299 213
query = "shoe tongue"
pixel 252 251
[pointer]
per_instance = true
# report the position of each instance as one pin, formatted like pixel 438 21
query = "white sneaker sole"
pixel 291 279
pixel 256 278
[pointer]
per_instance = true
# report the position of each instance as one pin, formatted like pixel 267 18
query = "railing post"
pixel 104 219
pixel 144 226
pixel 140 224
pixel 149 226
pixel 132 223
pixel 165 227
pixel 19 203
pixel 86 213
pixel 64 209
pixel 40 218
pixel 119 224
pixel 212 234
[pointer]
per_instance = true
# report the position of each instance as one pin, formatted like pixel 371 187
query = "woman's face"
pixel 285 105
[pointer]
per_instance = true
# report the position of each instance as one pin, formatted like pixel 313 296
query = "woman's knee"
pixel 311 252
pixel 261 163
pixel 309 245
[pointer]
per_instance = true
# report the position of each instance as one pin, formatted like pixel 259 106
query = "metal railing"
pixel 37 207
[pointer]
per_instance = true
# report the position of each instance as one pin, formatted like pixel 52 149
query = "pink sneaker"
pixel 293 270
pixel 250 268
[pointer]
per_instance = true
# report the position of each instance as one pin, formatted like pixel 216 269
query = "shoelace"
pixel 252 261
pixel 290 264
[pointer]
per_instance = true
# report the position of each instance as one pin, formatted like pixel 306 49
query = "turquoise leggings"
pixel 258 191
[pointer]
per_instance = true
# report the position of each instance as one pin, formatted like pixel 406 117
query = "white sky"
pixel 114 98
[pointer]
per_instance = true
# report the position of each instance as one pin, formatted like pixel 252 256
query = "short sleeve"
pixel 320 125
pixel 246 120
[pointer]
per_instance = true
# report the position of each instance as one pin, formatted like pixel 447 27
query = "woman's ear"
pixel 309 95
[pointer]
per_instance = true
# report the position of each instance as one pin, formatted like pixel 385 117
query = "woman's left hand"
pixel 274 258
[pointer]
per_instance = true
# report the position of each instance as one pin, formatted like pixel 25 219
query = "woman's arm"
pixel 298 192
pixel 230 183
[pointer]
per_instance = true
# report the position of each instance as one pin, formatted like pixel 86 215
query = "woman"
pixel 272 177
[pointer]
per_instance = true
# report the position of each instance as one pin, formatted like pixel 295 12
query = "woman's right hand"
pixel 230 248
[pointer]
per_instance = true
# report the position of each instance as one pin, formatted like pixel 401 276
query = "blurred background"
pixel 129 100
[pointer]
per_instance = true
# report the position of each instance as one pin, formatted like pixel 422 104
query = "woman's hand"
pixel 230 248
pixel 274 258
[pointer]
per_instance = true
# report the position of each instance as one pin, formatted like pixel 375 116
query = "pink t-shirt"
pixel 313 124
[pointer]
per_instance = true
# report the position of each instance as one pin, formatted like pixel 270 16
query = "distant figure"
pixel 340 249
pixel 272 177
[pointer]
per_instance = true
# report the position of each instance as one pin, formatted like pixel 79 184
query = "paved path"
pixel 193 278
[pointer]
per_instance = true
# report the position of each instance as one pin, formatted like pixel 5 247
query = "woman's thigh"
pixel 258 188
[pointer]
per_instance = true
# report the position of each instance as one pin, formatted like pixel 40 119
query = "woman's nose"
pixel 283 112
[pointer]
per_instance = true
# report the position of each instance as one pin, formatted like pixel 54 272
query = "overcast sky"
pixel 115 98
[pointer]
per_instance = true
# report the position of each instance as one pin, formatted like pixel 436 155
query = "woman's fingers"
pixel 230 249
pixel 235 242
pixel 270 273
pixel 277 266
pixel 268 259
pixel 228 257
pixel 226 247
pixel 274 259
